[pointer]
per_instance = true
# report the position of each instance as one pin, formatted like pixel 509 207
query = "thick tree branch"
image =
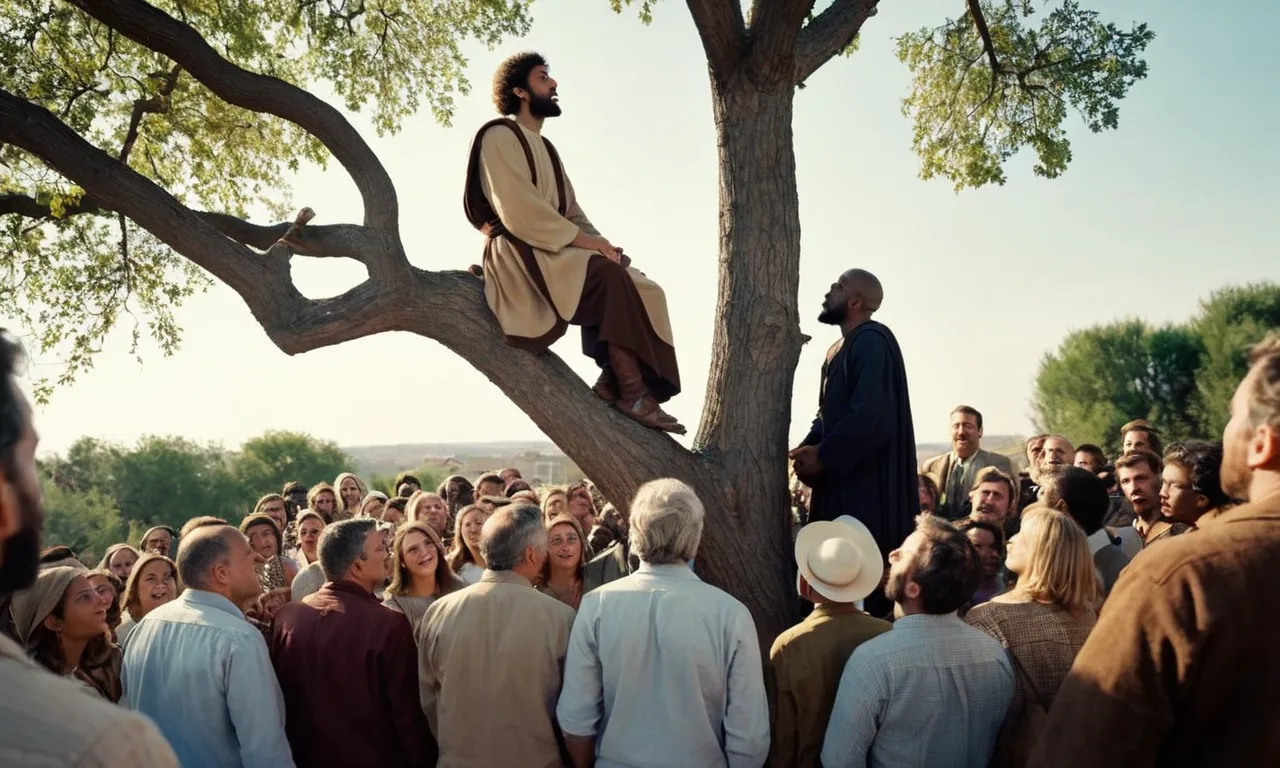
pixel 980 23
pixel 347 241
pixel 773 33
pixel 829 33
pixel 155 29
pixel 721 28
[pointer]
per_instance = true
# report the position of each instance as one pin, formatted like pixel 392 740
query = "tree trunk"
pixel 756 345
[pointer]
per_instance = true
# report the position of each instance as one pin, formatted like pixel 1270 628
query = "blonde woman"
pixel 465 558
pixel 351 491
pixel 1043 621
pixel 566 563
pixel 153 583
pixel 419 573
pixel 323 500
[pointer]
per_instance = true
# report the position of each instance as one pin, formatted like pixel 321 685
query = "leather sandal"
pixel 647 412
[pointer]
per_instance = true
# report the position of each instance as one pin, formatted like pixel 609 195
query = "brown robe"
pixel 535 282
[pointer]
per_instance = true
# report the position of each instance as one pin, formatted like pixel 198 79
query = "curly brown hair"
pixel 514 73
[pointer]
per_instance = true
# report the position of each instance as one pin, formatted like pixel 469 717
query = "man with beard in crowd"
pixel 1179 669
pixel 46 719
pixel 546 266
pixel 860 456
pixel 991 500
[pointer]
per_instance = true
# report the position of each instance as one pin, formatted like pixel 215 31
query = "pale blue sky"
pixel 1148 219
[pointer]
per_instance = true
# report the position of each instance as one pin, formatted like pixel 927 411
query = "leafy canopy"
pixel 73 271
pixel 977 101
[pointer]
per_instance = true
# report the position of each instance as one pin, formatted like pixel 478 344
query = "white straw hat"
pixel 840 559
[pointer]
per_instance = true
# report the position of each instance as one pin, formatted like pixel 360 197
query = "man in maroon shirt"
pixel 348 666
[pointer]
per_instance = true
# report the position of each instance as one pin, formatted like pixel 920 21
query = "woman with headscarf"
pixel 554 504
pixel 276 570
pixel 310 525
pixel 465 558
pixel 62 622
pixel 153 583
pixel 566 562
pixel 419 572
pixel 120 559
pixel 372 505
pixel 351 491
pixel 582 505
pixel 161 540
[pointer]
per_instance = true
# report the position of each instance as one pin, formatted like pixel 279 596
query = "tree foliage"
pixel 88 522
pixel 988 83
pixel 169 480
pixel 1179 377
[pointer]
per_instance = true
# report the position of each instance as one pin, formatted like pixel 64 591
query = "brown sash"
pixel 483 217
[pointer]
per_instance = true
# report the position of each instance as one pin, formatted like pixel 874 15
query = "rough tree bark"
pixel 738 464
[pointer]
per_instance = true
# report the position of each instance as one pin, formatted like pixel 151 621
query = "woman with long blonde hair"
pixel 419 572
pixel 153 583
pixel 1043 621
pixel 465 558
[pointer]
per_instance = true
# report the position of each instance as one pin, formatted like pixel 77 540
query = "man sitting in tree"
pixel 546 266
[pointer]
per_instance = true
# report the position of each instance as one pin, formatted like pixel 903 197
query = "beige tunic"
pixel 489 673
pixel 530 212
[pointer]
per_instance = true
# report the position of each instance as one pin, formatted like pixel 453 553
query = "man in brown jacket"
pixel 1179 670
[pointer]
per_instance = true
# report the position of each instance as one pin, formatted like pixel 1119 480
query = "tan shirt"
pixel 46 720
pixel 802 676
pixel 490 660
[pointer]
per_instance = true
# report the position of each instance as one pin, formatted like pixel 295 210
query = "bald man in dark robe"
pixel 860 456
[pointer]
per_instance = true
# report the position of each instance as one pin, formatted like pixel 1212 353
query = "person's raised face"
pixel 350 491
pixel 242 575
pixel 1015 558
pixel 374 508
pixel 275 510
pixel 902 564
pixel 371 568
pixel 1140 485
pixel 510 475
pixel 556 504
pixel 1035 448
pixel 84 613
pixel 1136 440
pixel 540 93
pixel 564 546
pixel 419 554
pixel 1178 499
pixel 840 301
pixel 1089 461
pixel 309 534
pixel 988 551
pixel 121 563
pixel 966 435
pixel 1245 447
pixel 472 525
pixel 488 488
pixel 158 542
pixel 392 515
pixel 991 503
pixel 432 511
pixel 326 503
pixel 1057 452
pixel 263 540
pixel 156 586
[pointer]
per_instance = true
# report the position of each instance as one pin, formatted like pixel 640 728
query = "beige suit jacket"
pixel 939 468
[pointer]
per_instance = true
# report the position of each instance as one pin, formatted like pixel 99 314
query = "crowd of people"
pixel 1089 613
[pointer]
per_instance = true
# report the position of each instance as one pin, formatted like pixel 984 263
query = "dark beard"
pixel 833 315
pixel 21 558
pixel 543 106
pixel 895 588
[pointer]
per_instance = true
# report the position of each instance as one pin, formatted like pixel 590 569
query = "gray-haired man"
pixel 660 652
pixel 489 656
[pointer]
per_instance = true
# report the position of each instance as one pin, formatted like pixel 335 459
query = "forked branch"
pixel 160 32
pixel 721 28
pixel 829 33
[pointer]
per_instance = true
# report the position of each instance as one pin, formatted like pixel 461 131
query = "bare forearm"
pixel 582 751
